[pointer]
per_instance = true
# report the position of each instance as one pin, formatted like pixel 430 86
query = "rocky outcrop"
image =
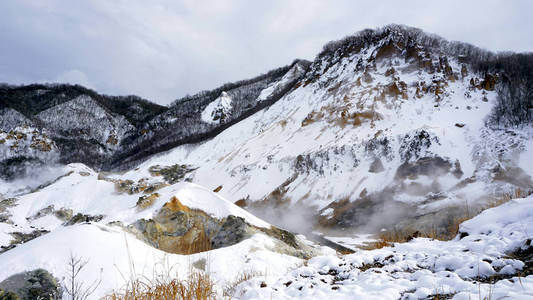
pixel 171 174
pixel 428 166
pixel 179 229
pixel 31 285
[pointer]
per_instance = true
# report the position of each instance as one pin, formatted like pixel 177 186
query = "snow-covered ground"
pixel 476 266
pixel 115 257
pixel 83 192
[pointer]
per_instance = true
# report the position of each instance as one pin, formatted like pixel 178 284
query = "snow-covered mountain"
pixel 392 128
pixel 106 132
pixel 393 120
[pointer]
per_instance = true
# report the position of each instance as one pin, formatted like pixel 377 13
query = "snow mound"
pixel 114 256
pixel 512 220
pixel 218 110
pixel 196 196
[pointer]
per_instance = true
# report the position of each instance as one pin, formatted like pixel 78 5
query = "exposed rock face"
pixel 5 204
pixel 31 285
pixel 371 212
pixel 24 147
pixel 80 218
pixel 171 174
pixel 427 166
pixel 21 237
pixel 178 229
pixel 376 166
pixel 232 231
pixel 146 201
pixel 415 144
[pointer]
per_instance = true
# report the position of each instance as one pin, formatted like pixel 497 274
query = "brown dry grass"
pixel 198 286
pixel 518 193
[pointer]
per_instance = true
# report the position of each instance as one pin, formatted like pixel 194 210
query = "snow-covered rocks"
pixel 84 117
pixel 219 110
pixel 25 148
pixel 292 75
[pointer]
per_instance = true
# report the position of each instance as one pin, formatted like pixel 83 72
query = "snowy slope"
pixel 82 191
pixel 361 124
pixel 115 257
pixel 293 74
pixel 84 117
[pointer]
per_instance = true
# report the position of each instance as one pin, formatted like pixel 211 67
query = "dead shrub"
pixel 197 286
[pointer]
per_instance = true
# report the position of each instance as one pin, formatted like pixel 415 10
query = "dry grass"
pixel 389 237
pixel 518 193
pixel 229 290
pixel 198 286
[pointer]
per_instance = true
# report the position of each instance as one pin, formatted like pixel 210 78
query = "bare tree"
pixel 74 287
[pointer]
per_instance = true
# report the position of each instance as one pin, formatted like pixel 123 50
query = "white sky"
pixel 162 50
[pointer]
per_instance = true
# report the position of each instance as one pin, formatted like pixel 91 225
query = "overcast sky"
pixel 166 50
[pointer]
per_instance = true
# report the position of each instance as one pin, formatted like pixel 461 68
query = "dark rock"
pixel 171 174
pixel 41 213
pixel 4 205
pixel 414 145
pixel 428 166
pixel 232 231
pixel 63 214
pixel 20 237
pixel 81 218
pixel 376 166
pixel 4 295
pixel 36 284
